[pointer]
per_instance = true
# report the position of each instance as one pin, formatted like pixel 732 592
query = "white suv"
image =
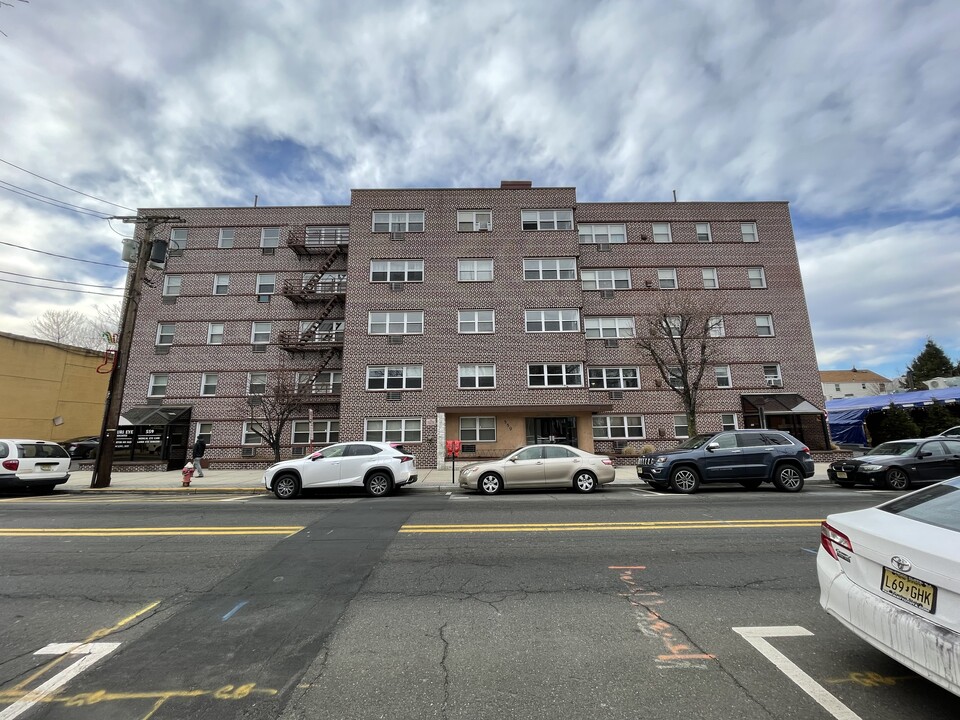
pixel 377 467
pixel 34 464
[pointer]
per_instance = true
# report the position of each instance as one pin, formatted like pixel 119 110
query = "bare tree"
pixel 681 338
pixel 271 411
pixel 9 3
pixel 63 326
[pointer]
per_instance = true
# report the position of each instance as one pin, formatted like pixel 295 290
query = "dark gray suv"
pixel 748 457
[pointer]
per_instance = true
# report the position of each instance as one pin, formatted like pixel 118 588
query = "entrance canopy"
pixel 847 415
pixel 154 414
pixel 779 404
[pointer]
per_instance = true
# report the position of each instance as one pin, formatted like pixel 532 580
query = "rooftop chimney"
pixel 516 183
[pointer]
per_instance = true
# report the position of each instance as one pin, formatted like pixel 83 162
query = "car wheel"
pixel 685 480
pixel 896 479
pixel 286 487
pixel 751 484
pixel 490 484
pixel 788 479
pixel 584 482
pixel 378 484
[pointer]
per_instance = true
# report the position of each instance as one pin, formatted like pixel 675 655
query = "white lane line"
pixel 755 636
pixel 242 497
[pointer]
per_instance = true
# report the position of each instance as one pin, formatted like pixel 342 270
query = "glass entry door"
pixel 552 430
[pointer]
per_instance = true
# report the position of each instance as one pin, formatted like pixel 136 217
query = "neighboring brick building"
pixel 430 314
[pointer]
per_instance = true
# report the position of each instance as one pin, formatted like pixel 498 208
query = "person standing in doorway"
pixel 199 448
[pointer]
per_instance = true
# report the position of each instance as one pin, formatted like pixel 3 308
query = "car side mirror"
pixel 713 446
pixel 316 456
pixel 513 459
pixel 924 454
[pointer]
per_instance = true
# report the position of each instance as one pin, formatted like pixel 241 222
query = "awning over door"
pixel 155 414
pixel 779 404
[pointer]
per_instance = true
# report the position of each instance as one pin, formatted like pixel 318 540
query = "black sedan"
pixel 897 464
pixel 82 448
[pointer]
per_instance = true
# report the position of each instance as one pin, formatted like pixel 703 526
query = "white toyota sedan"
pixel 891 574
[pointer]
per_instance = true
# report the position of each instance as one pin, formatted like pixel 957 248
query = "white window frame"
pixel 476 322
pixel 472 429
pixel 767 324
pixel 264 281
pixel 571 375
pixel 675 375
pixel 178 240
pixel 711 281
pixel 247 436
pixel 398 221
pixel 667 275
pixel 408 271
pixel 251 385
pixel 722 372
pixel 610 327
pixel 748 232
pixel 410 429
pixel 733 424
pixel 329 330
pixel 566 320
pixel 226 237
pixel 474 267
pixel 605 427
pixel 205 383
pixel 594 234
pixel 270 237
pixel 326 235
pixel 410 377
pixel 672 325
pixel 716 327
pixel 406 319
pixel 613 378
pixel 772 371
pixel 703 232
pixel 221 281
pixel 322 432
pixel 172 285
pixel 257 335
pixel 472 371
pixel 756 277
pixel 555 219
pixel 164 338
pixel 680 421
pixel 156 383
pixel 662 232
pixel 327 382
pixel 204 431
pixel 474 219
pixel 539 266
pixel 213 333
pixel 606 279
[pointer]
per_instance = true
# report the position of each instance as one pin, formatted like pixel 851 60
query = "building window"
pixel 393 430
pixel 555 375
pixel 611 427
pixel 675 376
pixel 266 283
pixel 772 377
pixel 722 374
pixel 221 284
pixel 710 281
pixel 225 240
pixel 205 432
pixel 474 220
pixel 836 387
pixel 396 271
pixel 667 278
pixel 758 278
pixel 550 269
pixel 539 321
pixel 158 385
pixel 214 333
pixel 322 432
pixel 592 234
pixel 326 332
pixel 680 427
pixel 703 233
pixel 260 333
pixel 208 383
pixel 256 383
pixel 477 376
pixel 661 233
pixel 614 378
pixel 395 323
pixel 172 285
pixel 749 232
pixel 605 279
pixel 672 325
pixel 270 237
pixel 547 219
pixel 475 321
pixel 328 282
pixel 328 382
pixel 474 270
pixel 330 235
pixel 402 221
pixel 478 429
pixel 165 333
pixel 395 377
pixel 178 241
pixel 728 421
pixel 764 325
pixel 250 436
pixel 609 327
pixel 715 327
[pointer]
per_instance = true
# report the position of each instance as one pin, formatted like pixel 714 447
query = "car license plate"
pixel 910 590
pixel 46 467
pixel 841 474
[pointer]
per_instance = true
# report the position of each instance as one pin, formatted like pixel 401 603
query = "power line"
pixel 117 231
pixel 57 204
pixel 92 197
pixel 38 196
pixel 47 287
pixel 65 257
pixel 68 282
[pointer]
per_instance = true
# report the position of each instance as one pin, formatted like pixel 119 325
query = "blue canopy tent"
pixel 846 416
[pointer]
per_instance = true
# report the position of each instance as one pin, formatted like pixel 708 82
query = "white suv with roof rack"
pixel 37 465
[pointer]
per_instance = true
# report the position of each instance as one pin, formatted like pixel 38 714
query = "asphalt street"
pixel 622 604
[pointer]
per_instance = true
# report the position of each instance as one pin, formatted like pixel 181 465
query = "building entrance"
pixel 553 430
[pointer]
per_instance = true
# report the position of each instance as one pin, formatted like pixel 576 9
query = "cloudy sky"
pixel 848 109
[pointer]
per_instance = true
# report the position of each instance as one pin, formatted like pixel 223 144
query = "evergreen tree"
pixel 934 419
pixel 893 423
pixel 930 363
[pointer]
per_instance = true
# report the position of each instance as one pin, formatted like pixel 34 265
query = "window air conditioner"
pixel 611 343
pixel 248 452
pixel 395 340
pixel 396 286
pixel 603 247
pixel 616 394
pixel 606 293
pixel 397 235
pixel 483 226
pixel 394 396
pixel 774 383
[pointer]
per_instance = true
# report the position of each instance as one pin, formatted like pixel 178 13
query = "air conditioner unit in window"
pixel 606 293
pixel 298 451
pixel 394 339
pixel 394 396
pixel 248 452
pixel 611 343
pixel 161 350
pixel 396 286
pixel 259 348
pixel 616 394
pixel 397 235
pixel 774 383
pixel 263 298
pixel 269 251
pixel 619 444
pixel 483 226
pixel 603 247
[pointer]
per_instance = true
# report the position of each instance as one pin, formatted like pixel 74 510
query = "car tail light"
pixel 806 450
pixel 11 464
pixel 830 536
pixel 405 458
pixel 607 461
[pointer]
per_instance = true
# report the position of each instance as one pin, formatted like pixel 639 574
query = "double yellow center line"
pixel 285 530
pixel 612 526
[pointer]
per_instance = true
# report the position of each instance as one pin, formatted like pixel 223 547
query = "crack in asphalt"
pixel 446 670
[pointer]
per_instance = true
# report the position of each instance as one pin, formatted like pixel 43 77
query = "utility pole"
pixel 131 301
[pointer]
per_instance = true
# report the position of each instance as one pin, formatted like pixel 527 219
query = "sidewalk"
pixel 250 482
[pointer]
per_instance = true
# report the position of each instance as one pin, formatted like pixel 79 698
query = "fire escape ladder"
pixel 307 335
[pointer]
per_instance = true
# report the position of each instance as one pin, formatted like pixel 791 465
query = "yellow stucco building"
pixel 49 391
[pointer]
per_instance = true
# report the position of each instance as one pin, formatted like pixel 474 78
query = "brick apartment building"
pixel 497 316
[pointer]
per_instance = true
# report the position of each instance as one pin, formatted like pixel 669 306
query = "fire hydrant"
pixel 187 472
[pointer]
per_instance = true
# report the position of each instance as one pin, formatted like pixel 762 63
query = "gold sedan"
pixel 540 466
